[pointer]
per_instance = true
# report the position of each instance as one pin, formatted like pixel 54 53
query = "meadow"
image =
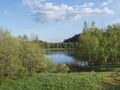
pixel 69 81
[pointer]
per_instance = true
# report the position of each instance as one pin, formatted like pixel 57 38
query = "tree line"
pixel 66 45
pixel 98 46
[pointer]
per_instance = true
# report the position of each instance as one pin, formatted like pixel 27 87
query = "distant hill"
pixel 72 39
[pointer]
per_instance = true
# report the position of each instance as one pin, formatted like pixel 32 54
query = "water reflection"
pixel 63 56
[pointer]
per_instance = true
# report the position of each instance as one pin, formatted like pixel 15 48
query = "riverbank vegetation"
pixel 20 57
pixel 99 47
pixel 60 45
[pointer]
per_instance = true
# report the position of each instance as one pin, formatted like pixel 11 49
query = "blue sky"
pixel 56 20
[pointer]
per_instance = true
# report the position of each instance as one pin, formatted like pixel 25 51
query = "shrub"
pixel 20 57
pixel 50 66
pixel 62 68
pixel 10 63
pixel 32 58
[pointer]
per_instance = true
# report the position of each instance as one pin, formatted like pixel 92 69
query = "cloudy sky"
pixel 56 20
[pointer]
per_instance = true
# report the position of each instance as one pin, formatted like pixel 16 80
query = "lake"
pixel 63 56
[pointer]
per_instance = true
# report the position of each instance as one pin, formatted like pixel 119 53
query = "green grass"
pixel 112 67
pixel 71 81
pixel 47 81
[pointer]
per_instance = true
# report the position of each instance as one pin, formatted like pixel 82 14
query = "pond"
pixel 63 56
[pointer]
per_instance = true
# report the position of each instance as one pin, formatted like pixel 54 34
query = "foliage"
pixel 62 68
pixel 4 34
pixel 112 36
pixel 58 45
pixel 20 57
pixel 50 66
pixel 99 47
pixel 32 57
pixel 10 63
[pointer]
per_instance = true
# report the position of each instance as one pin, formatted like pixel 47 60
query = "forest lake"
pixel 63 56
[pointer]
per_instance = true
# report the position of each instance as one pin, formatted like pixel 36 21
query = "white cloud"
pixel 88 4
pixel 96 11
pixel 107 10
pixel 106 3
pixel 44 11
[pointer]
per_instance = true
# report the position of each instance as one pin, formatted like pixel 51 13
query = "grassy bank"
pixel 73 81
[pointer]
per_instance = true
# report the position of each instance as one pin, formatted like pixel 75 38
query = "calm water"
pixel 63 56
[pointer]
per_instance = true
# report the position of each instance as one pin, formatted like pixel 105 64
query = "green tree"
pixel 85 26
pixel 4 34
pixel 112 36
pixel 19 56
pixel 32 57
pixel 10 63
pixel 23 38
pixel 90 47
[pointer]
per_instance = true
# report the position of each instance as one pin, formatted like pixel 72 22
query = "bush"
pixel 10 62
pixel 32 58
pixel 50 66
pixel 62 68
pixel 19 57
